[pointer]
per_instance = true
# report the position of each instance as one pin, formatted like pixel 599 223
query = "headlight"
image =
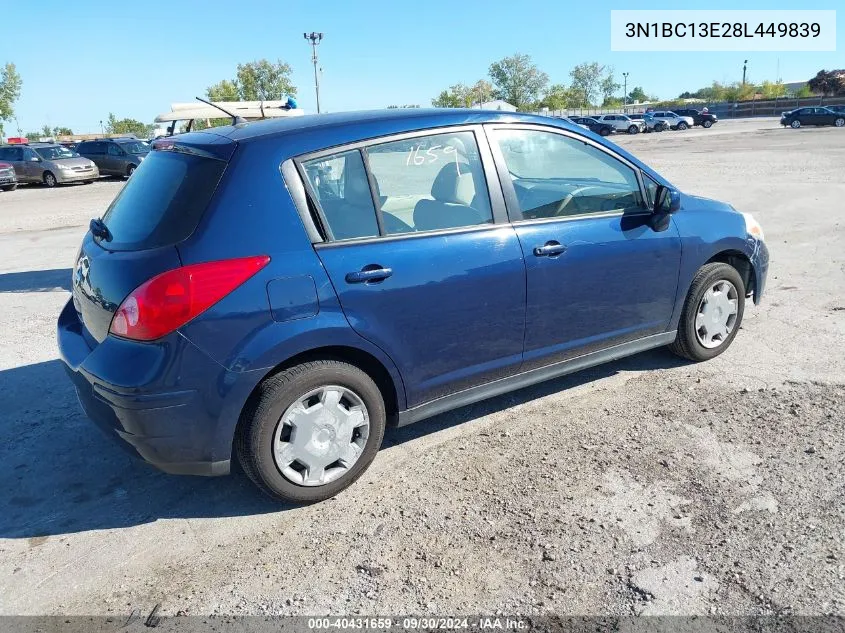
pixel 752 226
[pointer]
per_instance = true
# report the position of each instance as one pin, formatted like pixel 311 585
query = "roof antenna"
pixel 235 118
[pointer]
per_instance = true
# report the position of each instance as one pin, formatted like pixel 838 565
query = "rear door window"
pixel 163 201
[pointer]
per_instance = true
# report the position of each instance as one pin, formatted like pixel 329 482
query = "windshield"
pixel 135 147
pixel 54 153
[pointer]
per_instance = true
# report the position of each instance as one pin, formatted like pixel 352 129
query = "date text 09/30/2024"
pixel 493 623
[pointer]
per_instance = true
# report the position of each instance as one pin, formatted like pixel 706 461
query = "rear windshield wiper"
pixel 99 229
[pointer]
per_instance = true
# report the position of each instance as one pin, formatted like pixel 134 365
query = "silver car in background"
pixel 48 163
pixel 674 121
pixel 622 123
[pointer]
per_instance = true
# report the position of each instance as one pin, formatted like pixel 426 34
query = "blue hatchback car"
pixel 281 291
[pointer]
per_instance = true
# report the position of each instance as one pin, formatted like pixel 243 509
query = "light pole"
pixel 744 66
pixel 315 38
pixel 625 91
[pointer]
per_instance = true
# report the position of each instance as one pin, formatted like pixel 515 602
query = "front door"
pixel 424 265
pixel 597 274
pixel 31 165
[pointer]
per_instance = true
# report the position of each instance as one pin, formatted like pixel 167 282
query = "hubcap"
pixel 716 315
pixel 840 122
pixel 321 436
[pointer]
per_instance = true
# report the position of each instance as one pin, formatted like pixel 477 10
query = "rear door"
pixel 597 274
pixel 421 256
pixel 31 165
pixel 158 207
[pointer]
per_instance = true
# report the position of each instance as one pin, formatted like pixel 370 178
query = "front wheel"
pixel 130 170
pixel 682 125
pixel 9 187
pixel 707 124
pixel 633 129
pixel 311 430
pixel 795 124
pixel 50 179
pixel 604 131
pixel 712 313
pixel 839 122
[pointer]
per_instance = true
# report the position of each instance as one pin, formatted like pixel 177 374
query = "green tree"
pixel 263 80
pixel 226 90
pixel 803 92
pixel 828 83
pixel 588 79
pixel 482 91
pixel 128 126
pixel 639 95
pixel 611 102
pixel 10 90
pixel 772 90
pixel 457 96
pixel 32 135
pixel 46 130
pixel 517 80
pixel 559 97
pixel 62 131
pixel 609 85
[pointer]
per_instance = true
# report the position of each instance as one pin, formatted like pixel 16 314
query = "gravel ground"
pixel 647 486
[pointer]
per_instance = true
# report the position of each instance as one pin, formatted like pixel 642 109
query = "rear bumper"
pixel 165 402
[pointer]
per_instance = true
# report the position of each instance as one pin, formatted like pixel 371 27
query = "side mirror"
pixel 35 159
pixel 667 200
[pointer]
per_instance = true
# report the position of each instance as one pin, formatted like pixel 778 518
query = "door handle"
pixel 368 274
pixel 549 249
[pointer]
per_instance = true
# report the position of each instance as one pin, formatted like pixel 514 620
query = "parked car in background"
pixel 8 179
pixel 704 119
pixel 651 124
pixel 48 163
pixel 812 116
pixel 115 156
pixel 599 127
pixel 839 109
pixel 673 120
pixel 621 123
pixel 410 263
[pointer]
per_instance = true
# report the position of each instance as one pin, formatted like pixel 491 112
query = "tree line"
pixel 517 80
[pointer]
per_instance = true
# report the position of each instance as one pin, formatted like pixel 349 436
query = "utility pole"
pixel 625 91
pixel 315 38
pixel 744 66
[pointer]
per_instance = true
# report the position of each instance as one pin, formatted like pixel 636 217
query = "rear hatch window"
pixel 163 201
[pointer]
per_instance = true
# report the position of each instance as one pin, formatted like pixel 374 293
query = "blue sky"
pixel 81 60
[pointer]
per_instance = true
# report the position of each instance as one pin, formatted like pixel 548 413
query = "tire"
pixel 633 129
pixel 682 125
pixel 688 343
pixel 707 124
pixel 50 179
pixel 87 182
pixel 795 124
pixel 603 131
pixel 130 170
pixel 261 426
pixel 839 122
pixel 9 187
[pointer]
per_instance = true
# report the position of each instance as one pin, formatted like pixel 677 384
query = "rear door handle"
pixel 368 274
pixel 549 249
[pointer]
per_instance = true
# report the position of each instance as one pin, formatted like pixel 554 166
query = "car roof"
pixel 392 120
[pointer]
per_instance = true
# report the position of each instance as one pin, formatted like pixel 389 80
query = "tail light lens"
pixel 169 300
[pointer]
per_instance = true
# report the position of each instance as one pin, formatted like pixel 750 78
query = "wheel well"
pixel 362 360
pixel 742 265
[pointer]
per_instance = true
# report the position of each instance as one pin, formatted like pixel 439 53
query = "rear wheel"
pixel 839 122
pixel 712 313
pixel 795 124
pixel 682 125
pixel 707 124
pixel 50 179
pixel 311 430
pixel 604 131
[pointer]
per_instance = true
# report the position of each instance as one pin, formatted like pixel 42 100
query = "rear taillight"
pixel 169 300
